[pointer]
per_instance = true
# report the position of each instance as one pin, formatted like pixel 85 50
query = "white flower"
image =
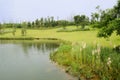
pixel 109 58
pixel 84 45
pixel 109 61
pixel 114 46
pixel 80 49
pixel 99 50
pixel 72 48
pixel 93 52
pixel 96 51
pixel 73 43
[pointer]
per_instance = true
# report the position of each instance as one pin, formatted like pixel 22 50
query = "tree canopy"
pixel 110 21
pixel 81 20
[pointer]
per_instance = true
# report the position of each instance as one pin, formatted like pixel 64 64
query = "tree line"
pixel 107 21
pixel 44 23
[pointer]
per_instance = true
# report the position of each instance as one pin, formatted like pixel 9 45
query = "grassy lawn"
pixel 78 36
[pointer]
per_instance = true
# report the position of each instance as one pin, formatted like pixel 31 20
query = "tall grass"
pixel 90 62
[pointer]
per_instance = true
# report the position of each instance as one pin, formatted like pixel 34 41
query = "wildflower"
pixel 111 43
pixel 97 56
pixel 73 43
pixel 94 42
pixel 114 46
pixel 109 61
pixel 84 45
pixel 98 50
pixel 93 52
pixel 72 48
pixel 80 49
pixel 109 58
pixel 98 45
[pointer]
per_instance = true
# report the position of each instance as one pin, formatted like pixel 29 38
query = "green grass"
pixel 77 59
pixel 78 36
pixel 91 62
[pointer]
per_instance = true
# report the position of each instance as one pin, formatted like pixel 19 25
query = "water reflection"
pixel 43 47
pixel 28 61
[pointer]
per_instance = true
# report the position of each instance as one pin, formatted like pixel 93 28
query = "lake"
pixel 29 61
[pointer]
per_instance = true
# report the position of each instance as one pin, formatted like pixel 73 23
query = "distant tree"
pixel 49 21
pixel 83 21
pixel 41 22
pixel 53 24
pixel 37 23
pixel 95 17
pixel 29 25
pixel 77 20
pixel 33 24
pixel 117 9
pixel 14 29
pixel 63 23
pixel 18 25
pixel 46 24
pixel 0 28
pixel 24 29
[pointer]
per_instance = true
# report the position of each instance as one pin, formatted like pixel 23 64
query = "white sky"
pixel 29 10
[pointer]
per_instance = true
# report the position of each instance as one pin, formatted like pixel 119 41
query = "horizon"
pixel 25 10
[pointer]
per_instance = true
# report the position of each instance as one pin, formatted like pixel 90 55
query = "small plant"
pixel 89 61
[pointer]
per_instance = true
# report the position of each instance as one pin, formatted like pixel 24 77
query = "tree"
pixel 29 25
pixel 117 9
pixel 110 21
pixel 83 21
pixel 63 23
pixel 14 29
pixel 95 17
pixel 53 23
pixel 76 20
pixel 0 28
pixel 33 24
pixel 23 30
pixel 41 22
pixel 111 27
pixel 37 23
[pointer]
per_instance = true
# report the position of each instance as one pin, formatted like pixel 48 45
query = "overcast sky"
pixel 29 10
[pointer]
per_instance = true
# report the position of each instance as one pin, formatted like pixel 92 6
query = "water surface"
pixel 29 61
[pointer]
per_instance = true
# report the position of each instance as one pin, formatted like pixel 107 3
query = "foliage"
pixel 76 20
pixel 109 21
pixel 23 29
pixel 72 30
pixel 81 20
pixel 88 61
pixel 108 30
pixel 0 28
pixel 63 23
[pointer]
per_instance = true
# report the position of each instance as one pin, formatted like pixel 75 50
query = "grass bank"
pixel 76 36
pixel 88 62
pixel 87 56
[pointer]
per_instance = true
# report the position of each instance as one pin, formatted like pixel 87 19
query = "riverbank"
pixel 84 55
pixel 88 62
pixel 76 36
